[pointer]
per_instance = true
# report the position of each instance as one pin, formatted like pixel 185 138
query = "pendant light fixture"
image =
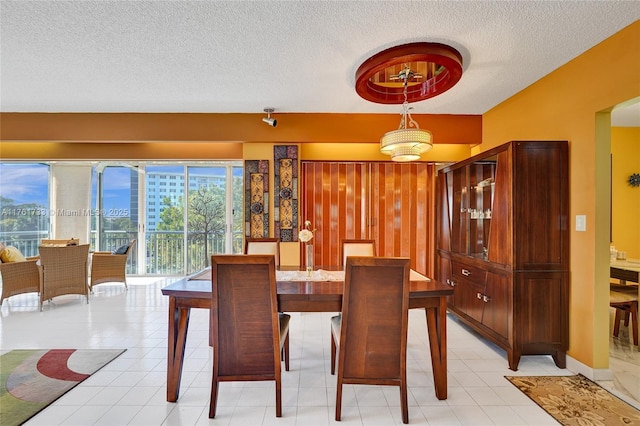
pixel 404 74
pixel 408 142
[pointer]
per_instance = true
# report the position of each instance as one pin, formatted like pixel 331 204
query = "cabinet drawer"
pixel 461 271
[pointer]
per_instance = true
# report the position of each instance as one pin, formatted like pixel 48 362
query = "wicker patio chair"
pixel 20 277
pixel 107 267
pixel 64 271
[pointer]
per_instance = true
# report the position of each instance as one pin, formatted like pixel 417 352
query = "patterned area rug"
pixel 33 379
pixel 576 400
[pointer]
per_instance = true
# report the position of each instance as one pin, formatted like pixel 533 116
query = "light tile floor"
pixel 624 361
pixel 131 389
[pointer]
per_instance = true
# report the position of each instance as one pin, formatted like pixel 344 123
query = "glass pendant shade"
pixel 406 144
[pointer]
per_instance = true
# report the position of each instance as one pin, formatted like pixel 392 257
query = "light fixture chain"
pixel 407 120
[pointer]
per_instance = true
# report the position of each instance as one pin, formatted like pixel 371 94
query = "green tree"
pixel 172 222
pixel 206 218
pixel 206 215
pixel 238 206
pixel 118 224
pixel 172 216
pixel 25 218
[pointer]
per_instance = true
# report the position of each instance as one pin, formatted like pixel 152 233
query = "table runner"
pixel 318 275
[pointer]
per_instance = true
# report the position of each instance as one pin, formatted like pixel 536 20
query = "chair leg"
pixel 214 398
pixel 333 354
pixel 278 397
pixel 616 321
pixel 339 399
pixel 634 320
pixel 286 352
pixel 404 402
pixel 627 312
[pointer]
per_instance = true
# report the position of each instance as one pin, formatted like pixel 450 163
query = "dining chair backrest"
pixel 263 246
pixel 246 331
pixel 372 347
pixel 359 247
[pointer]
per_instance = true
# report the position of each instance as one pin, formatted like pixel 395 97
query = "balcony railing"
pixel 165 250
pixel 26 242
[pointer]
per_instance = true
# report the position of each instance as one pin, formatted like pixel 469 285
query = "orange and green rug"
pixel 33 379
pixel 576 400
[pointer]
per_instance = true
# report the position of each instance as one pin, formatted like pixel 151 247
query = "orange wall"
pixel 167 127
pixel 76 136
pixel 566 105
pixel 625 212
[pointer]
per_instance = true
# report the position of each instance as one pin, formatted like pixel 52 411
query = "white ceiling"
pixel 294 56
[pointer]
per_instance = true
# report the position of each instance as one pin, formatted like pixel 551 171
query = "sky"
pixel 24 183
pixel 27 183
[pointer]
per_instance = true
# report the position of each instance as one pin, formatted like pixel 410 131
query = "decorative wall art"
pixel 256 186
pixel 285 165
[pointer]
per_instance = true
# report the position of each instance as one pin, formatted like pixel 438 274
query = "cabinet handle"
pixel 486 298
pixel 479 296
pixel 451 282
pixel 466 273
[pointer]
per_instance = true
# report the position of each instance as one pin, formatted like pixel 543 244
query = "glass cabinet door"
pixel 471 192
pixel 481 190
pixel 459 207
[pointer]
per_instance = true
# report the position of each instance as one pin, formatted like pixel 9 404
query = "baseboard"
pixel 595 374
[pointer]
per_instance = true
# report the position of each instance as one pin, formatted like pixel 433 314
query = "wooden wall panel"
pixel 392 203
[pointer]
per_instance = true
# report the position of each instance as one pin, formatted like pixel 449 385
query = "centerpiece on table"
pixel 306 235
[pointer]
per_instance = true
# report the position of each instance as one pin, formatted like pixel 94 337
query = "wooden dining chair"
pixel 247 334
pixel 360 247
pixel 370 335
pixel 624 298
pixel 263 246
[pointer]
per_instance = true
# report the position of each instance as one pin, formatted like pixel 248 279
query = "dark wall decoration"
pixel 285 165
pixel 256 186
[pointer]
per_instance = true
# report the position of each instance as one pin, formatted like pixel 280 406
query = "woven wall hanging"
pixel 285 166
pixel 256 200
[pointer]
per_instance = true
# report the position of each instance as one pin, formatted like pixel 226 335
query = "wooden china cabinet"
pixel 502 239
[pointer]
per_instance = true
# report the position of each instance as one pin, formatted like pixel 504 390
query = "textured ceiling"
pixel 294 56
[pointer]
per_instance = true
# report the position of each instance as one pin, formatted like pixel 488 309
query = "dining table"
pixel 301 291
pixel 625 270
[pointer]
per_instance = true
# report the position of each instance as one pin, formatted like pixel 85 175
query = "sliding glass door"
pixel 180 214
pixel 116 203
pixel 164 219
pixel 24 205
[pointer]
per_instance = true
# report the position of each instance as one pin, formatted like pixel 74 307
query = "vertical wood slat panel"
pixel 391 203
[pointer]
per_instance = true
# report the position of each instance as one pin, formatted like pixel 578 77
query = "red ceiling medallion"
pixel 435 68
